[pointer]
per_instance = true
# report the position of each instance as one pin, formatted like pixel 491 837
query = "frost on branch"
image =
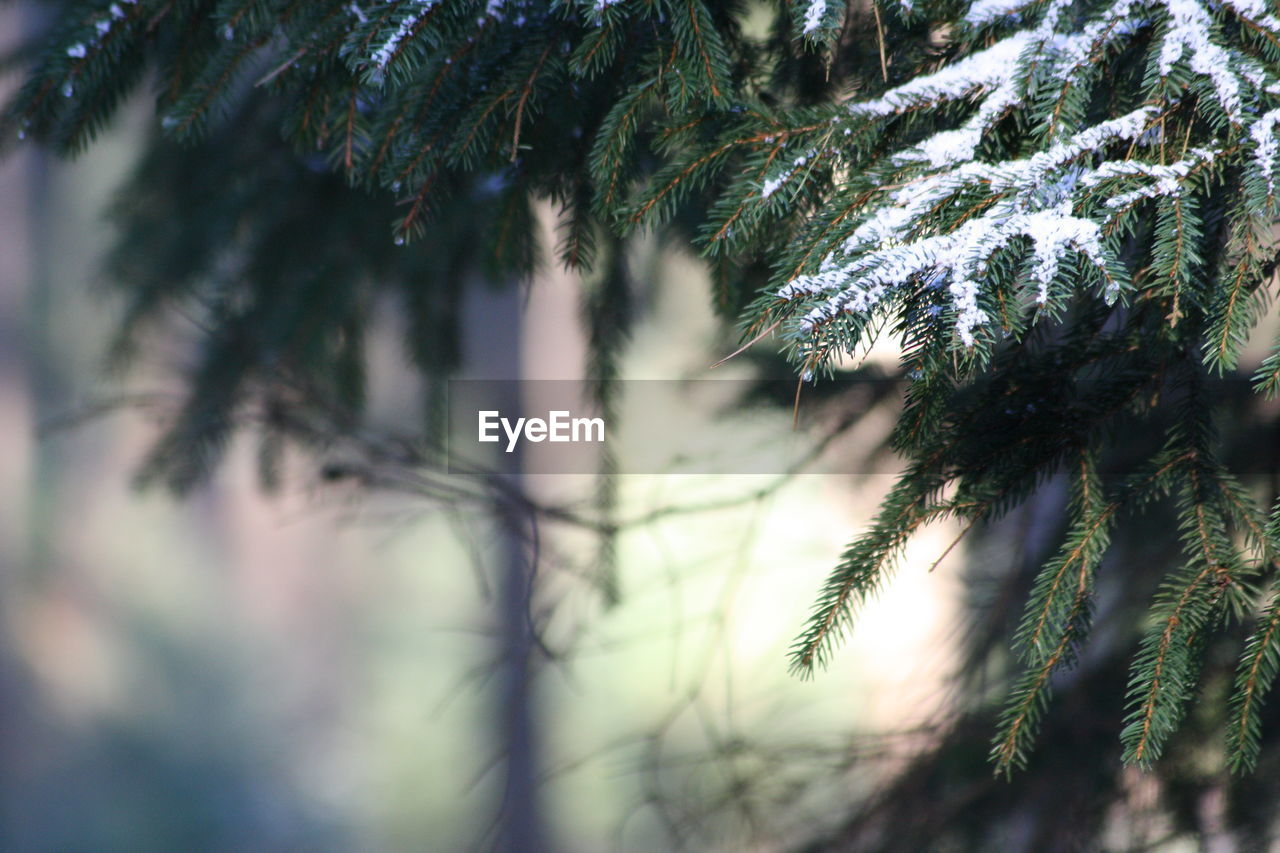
pixel 816 11
pixel 818 20
pixel 393 42
pixel 1263 134
pixel 990 72
pixel 1023 174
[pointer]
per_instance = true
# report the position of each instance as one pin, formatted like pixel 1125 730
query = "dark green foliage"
pixel 1069 227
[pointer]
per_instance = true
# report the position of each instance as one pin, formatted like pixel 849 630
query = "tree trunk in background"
pixel 522 823
pixel 26 368
pixel 495 321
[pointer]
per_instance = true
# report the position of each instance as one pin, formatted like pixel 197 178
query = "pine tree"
pixel 1063 210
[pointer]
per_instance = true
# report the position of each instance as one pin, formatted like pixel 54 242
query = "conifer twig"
pixel 884 64
pixel 524 97
pixel 740 350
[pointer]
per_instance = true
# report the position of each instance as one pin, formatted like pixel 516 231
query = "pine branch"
pixel 863 566
pixel 1163 674
pixel 1049 612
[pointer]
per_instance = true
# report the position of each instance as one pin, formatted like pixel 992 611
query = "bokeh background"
pixel 314 669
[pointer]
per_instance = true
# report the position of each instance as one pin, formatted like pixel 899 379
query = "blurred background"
pixel 315 669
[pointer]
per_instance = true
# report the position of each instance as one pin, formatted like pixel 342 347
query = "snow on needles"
pixel 978 72
pixel 1052 207
pixel 814 14
pixel 987 11
pixel 1188 32
pixel 772 185
pixel 1263 133
pixel 1258 12
pixel 383 55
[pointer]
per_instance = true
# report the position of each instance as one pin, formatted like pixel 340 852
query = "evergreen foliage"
pixel 1064 210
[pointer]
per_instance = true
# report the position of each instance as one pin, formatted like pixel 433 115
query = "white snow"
pixel 1263 134
pixel 100 29
pixel 1166 180
pixel 991 71
pixel 382 56
pixel 772 185
pixel 985 11
pixel 1188 32
pixel 1033 205
pixel 813 15
pixel 1257 12
pixel 980 71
